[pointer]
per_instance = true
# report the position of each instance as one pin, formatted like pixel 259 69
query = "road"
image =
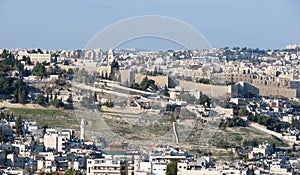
pixel 83 86
pixel 262 128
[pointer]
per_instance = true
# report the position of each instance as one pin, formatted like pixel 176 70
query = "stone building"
pixel 106 68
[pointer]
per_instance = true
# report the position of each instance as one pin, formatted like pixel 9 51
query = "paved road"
pixel 83 86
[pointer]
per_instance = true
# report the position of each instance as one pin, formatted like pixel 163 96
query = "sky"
pixel 70 24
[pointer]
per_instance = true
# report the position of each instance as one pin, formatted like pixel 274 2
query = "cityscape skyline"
pixel 155 87
pixel 70 25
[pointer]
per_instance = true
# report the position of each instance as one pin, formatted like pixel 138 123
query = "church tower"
pixel 110 57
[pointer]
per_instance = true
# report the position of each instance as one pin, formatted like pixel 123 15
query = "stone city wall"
pixel 210 90
pixel 278 91
pixel 159 80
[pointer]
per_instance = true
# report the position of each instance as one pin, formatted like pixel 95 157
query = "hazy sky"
pixel 70 24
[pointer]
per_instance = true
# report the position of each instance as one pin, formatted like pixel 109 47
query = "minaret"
pixel 82 134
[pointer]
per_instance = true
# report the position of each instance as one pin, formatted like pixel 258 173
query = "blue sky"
pixel 70 24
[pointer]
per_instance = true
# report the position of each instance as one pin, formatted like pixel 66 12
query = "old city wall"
pixel 159 80
pixel 210 90
pixel 277 91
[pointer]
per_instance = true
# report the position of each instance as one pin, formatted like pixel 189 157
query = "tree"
pixel 295 123
pixel 155 72
pixel 70 99
pixel 61 82
pixel 243 111
pixel 171 107
pixel 70 71
pixel 22 96
pixel 294 148
pixel 144 84
pixel 48 90
pixel 109 104
pixel 2 115
pixel 106 76
pixel 172 168
pixel 47 98
pixel 86 102
pixel 41 100
pixel 39 70
pixel 72 172
pixel 115 65
pixel 203 81
pixel 57 103
pixel 6 85
pixel 232 122
pixel 205 100
pixel 250 172
pixel 27 60
pixel 148 83
pixel 7 116
pixel 26 72
pixel 39 51
pixel 20 92
pixel 4 53
pixel 19 125
pixel 2 137
pixel 166 91
pixel 95 97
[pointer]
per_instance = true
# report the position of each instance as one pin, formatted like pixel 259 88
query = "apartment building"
pixel 104 166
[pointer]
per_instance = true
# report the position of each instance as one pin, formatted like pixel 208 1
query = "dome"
pixel 160 60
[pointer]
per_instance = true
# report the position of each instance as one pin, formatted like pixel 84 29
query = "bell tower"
pixel 110 57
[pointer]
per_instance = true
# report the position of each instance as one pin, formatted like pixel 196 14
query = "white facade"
pixel 183 168
pixel 44 164
pixel 153 168
pixel 35 57
pixel 105 166
pixel 40 58
pixel 54 141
